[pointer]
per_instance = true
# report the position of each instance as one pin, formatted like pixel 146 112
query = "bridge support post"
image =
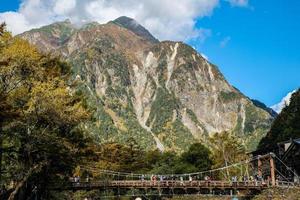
pixel 259 167
pixel 272 169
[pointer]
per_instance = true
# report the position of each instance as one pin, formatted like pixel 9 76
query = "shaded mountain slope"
pixel 286 125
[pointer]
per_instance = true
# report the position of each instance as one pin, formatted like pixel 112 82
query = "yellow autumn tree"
pixel 228 150
pixel 41 136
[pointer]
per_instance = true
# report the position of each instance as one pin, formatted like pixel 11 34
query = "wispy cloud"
pixel 225 41
pixel 240 3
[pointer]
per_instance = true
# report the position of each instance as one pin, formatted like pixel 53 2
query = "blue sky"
pixel 9 5
pixel 262 55
pixel 257 47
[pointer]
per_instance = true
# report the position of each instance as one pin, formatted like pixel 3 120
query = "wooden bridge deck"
pixel 168 184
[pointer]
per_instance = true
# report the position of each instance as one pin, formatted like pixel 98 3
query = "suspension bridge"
pixel 247 177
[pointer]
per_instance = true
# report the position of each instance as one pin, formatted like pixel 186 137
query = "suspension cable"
pixel 288 168
pixel 126 174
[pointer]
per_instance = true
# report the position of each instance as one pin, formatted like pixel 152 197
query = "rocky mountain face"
pixel 161 94
pixel 263 106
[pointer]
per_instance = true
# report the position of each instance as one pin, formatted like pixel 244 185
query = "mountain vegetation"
pixel 227 150
pixel 263 106
pixel 132 159
pixel 162 94
pixel 287 124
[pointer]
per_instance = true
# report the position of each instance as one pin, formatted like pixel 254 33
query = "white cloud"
pixel 16 22
pixel 240 3
pixel 165 19
pixel 64 6
pixel 283 103
pixel 225 41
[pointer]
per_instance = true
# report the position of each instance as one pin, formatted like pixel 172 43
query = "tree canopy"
pixel 227 149
pixel 286 125
pixel 40 133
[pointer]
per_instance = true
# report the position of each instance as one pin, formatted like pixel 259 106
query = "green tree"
pixel 286 125
pixel 196 158
pixel 199 156
pixel 41 135
pixel 118 157
pixel 227 150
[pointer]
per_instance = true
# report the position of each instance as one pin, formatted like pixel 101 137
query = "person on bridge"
pixel 190 178
pixel 181 180
pixel 168 178
pixel 75 179
pixel 152 179
pixel 251 178
pixel 143 177
pixel 161 178
pixel 172 178
pixel 245 178
pixel 234 180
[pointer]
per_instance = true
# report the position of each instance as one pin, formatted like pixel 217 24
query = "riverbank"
pixel 279 194
pixel 208 197
pixel 269 194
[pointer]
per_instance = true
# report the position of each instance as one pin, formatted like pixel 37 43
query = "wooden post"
pixel 259 167
pixel 272 169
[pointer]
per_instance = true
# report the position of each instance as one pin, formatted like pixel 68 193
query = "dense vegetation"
pixel 286 125
pixel 41 138
pixel 130 158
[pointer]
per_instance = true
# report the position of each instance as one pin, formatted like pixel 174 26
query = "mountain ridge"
pixel 135 27
pixel 271 111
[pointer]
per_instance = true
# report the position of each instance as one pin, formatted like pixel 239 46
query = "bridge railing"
pixel 287 184
pixel 171 184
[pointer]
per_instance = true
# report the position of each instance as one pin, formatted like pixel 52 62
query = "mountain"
pixel 135 27
pixel 161 94
pixel 283 103
pixel 257 103
pixel 286 125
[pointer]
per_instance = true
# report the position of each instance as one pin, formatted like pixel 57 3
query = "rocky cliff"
pixel 161 94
